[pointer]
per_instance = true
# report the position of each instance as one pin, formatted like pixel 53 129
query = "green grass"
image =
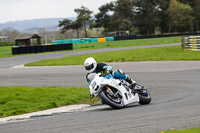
pixel 169 53
pixel 127 43
pixel 20 100
pixel 5 51
pixel 191 130
pixel 7 43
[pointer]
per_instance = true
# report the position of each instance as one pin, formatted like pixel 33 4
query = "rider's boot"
pixel 131 82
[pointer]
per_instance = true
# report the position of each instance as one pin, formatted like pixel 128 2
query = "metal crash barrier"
pixel 191 43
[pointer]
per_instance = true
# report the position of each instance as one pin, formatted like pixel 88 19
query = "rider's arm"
pixel 102 67
pixel 109 68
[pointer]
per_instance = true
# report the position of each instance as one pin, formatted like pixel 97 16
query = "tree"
pixel 195 5
pixel 163 5
pixel 76 25
pixel 11 33
pixel 196 9
pixel 173 14
pixel 84 16
pixel 147 17
pixel 185 18
pixel 103 18
pixel 65 25
pixel 197 18
pixel 188 2
pixel 124 9
pixel 83 20
pixel 180 17
pixel 123 15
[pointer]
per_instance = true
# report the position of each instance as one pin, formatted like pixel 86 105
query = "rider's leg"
pixel 130 81
pixel 121 75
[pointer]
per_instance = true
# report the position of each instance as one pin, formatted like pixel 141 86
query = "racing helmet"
pixel 90 64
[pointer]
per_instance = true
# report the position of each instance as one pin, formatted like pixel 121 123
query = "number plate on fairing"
pixel 115 82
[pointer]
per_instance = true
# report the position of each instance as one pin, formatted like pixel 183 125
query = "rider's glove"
pixel 107 71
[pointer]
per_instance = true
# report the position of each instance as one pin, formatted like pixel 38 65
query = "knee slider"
pixel 120 71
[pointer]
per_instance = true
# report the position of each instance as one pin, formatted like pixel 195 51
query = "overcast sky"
pixel 13 10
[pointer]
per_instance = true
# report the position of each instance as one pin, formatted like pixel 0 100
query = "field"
pixel 5 51
pixel 170 53
pixel 127 43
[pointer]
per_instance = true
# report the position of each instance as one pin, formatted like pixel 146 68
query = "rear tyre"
pixel 114 102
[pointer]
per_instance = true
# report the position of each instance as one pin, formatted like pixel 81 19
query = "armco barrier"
pixel 191 43
pixel 103 39
pixel 85 40
pixel 41 48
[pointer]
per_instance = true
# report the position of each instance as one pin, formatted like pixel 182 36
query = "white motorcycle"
pixel 115 92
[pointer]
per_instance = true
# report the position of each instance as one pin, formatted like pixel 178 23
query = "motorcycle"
pixel 116 92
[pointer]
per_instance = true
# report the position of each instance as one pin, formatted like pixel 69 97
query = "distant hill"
pixel 50 24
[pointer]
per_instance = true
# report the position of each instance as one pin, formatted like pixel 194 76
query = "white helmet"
pixel 90 64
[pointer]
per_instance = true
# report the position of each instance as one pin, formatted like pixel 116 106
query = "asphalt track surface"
pixel 174 87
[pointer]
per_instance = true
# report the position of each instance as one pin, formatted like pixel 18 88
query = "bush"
pixel 7 43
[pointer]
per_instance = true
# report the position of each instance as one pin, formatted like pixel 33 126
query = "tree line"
pixel 138 17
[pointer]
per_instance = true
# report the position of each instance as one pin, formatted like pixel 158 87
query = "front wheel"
pixel 145 97
pixel 111 100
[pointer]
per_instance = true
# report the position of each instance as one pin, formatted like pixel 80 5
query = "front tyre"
pixel 145 97
pixel 109 99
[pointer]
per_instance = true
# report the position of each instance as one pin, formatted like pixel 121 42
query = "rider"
pixel 92 66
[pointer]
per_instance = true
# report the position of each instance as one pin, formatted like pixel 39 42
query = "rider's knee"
pixel 119 74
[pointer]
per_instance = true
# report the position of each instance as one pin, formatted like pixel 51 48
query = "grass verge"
pixel 20 100
pixel 191 130
pixel 127 43
pixel 169 53
pixel 5 51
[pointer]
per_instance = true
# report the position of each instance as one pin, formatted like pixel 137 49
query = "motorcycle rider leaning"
pixel 92 66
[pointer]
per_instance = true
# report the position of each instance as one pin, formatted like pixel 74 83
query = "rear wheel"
pixel 110 99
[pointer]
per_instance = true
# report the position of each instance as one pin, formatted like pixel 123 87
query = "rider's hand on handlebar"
pixel 106 72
